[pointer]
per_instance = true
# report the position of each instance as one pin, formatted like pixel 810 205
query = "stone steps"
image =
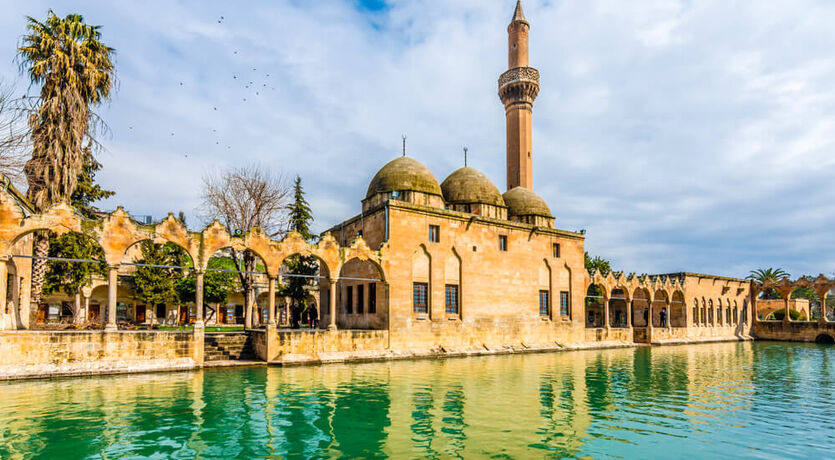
pixel 228 346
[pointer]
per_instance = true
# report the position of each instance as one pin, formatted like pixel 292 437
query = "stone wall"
pixel 297 347
pixel 675 335
pixel 794 331
pixel 27 354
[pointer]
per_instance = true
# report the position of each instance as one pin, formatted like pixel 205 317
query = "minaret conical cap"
pixel 518 15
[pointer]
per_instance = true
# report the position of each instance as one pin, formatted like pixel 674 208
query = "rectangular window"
pixel 161 312
pixel 451 299
pixel 372 298
pixel 502 242
pixel 434 234
pixel 565 308
pixel 420 295
pixel 349 299
pixel 360 298
pixel 556 250
pixel 544 303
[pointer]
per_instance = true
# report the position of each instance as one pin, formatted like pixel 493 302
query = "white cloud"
pixel 683 135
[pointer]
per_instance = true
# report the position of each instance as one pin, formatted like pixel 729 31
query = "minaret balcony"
pixel 519 85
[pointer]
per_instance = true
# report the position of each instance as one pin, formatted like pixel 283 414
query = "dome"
pixel 401 174
pixel 468 185
pixel 523 202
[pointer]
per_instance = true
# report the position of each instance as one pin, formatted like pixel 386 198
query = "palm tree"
pixel 75 71
pixel 764 275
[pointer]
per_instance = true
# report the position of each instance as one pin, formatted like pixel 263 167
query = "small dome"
pixel 468 185
pixel 523 202
pixel 401 174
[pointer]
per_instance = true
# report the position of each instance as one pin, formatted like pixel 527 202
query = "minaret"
pixel 518 88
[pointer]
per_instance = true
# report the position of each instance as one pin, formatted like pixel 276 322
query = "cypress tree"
pixel 296 287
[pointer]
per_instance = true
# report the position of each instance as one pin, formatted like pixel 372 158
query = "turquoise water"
pixel 762 400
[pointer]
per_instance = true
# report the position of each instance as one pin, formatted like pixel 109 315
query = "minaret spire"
pixel 518 14
pixel 518 87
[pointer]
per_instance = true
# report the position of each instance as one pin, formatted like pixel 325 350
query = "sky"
pixel 681 135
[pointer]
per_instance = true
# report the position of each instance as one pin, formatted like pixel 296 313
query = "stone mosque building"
pixel 468 265
pixel 455 265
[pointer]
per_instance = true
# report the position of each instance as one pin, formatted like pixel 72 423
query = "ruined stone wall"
pixel 51 353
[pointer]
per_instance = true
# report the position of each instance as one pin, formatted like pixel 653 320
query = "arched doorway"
pixel 304 292
pixel 595 303
pixel 640 308
pixel 363 295
pixel 618 309
pixel 660 309
pixel 678 310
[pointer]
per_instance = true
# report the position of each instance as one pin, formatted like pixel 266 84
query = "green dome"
pixel 402 174
pixel 523 202
pixel 468 185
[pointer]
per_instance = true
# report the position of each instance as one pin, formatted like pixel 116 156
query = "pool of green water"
pixel 756 400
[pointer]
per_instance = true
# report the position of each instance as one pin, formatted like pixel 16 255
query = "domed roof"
pixel 468 185
pixel 404 173
pixel 523 202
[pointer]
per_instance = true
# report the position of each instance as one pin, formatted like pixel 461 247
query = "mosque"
pixel 427 266
pixel 467 264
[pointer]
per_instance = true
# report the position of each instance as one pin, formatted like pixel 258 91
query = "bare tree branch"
pixel 243 198
pixel 15 142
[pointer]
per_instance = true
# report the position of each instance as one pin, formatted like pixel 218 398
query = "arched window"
pixel 710 313
pixel 695 311
pixel 703 316
pixel 736 313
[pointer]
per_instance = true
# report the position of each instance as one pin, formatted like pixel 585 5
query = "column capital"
pixel 333 280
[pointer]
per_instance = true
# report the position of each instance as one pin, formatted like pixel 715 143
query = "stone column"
pixel 787 318
pixel 198 298
pixel 822 314
pixel 4 288
pixel 112 282
pixel 86 306
pixel 629 313
pixel 271 302
pixel 606 313
pixel 332 306
pixel 669 306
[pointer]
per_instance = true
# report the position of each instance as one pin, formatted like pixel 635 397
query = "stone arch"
pixel 711 314
pixel 825 339
pixel 94 267
pixel 640 307
pixel 728 313
pixel 362 295
pixel 678 310
pixel 452 284
pixel 695 312
pixel 804 301
pixel 618 307
pixel 421 281
pixel 300 313
pixel 595 302
pixel 545 294
pixel 563 287
pixel 661 308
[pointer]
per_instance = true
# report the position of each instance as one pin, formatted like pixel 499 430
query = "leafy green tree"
pixel 597 263
pixel 87 191
pixel 772 275
pixel 216 285
pixel 295 287
pixel 157 285
pixel 74 69
pixel 69 277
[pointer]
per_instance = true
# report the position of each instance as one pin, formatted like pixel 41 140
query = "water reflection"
pixel 763 399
